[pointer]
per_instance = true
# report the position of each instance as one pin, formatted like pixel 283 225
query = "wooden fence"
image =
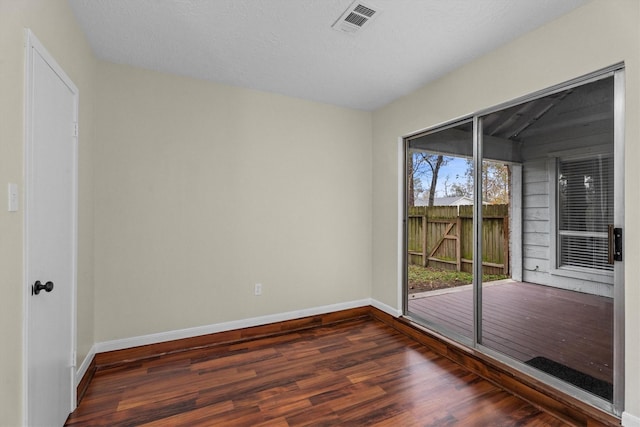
pixel 442 237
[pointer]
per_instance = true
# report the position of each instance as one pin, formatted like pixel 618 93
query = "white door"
pixel 50 238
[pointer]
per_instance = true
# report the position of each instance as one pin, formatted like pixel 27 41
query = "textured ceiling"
pixel 289 47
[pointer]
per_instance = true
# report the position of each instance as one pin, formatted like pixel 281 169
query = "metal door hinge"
pixel 75 129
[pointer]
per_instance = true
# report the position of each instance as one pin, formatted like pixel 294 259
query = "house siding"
pixel 538 204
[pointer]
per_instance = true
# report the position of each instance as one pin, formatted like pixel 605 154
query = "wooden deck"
pixel 525 320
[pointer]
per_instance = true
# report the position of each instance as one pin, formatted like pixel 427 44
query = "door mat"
pixel 586 382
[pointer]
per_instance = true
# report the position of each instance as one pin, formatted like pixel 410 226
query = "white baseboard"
pixel 85 364
pixel 124 343
pixel 629 420
pixel 386 308
pixel 225 326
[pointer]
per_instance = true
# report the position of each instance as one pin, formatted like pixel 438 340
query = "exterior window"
pixel 585 208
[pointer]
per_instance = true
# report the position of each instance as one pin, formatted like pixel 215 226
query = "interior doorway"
pixel 50 238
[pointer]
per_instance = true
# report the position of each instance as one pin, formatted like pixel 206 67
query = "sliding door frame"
pixel 617 72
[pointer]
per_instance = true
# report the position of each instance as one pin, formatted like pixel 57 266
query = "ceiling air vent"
pixel 356 17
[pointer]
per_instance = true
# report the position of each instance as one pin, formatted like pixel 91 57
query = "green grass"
pixel 422 274
pixel 427 278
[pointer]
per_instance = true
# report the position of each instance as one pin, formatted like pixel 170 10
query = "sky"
pixel 454 169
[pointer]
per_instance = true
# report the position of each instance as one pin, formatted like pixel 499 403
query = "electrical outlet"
pixel 258 289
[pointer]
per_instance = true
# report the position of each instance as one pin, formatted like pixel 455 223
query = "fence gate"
pixel 442 237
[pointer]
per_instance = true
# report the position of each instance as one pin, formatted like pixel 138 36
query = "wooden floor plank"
pixel 358 373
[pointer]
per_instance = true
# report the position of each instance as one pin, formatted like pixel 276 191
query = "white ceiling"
pixel 289 47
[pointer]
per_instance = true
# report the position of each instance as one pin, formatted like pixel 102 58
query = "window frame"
pixel 583 273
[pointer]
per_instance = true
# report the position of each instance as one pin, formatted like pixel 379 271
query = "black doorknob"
pixel 38 286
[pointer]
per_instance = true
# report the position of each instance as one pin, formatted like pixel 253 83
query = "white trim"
pixel 123 343
pixel 223 327
pixel 386 308
pixel 515 227
pixel 629 420
pixel 32 45
pixel 84 366
pixel 401 218
pixel 28 95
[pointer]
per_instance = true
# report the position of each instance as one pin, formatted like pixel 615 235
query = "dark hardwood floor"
pixel 354 373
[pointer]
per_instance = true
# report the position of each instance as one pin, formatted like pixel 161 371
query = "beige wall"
pixel 203 190
pixel 597 35
pixel 54 25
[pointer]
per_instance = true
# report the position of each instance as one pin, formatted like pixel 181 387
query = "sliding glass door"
pixel 536 189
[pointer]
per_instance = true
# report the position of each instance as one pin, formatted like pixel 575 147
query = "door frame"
pixel 32 47
pixel 617 72
pixel 619 102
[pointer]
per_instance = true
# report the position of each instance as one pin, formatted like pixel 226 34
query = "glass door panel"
pixel 553 309
pixel 439 227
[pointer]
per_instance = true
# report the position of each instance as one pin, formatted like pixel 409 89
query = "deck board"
pixel 525 320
